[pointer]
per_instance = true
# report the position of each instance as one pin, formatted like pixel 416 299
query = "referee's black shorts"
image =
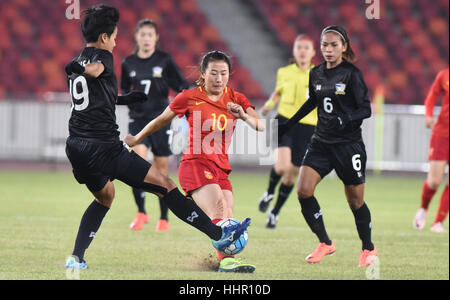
pixel 297 139
pixel 95 162
pixel 158 142
pixel 348 160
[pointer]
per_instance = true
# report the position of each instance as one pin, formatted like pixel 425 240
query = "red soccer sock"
pixel 220 256
pixel 443 207
pixel 427 195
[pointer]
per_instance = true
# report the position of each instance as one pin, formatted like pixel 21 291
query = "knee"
pixel 304 192
pixel 434 183
pixel 355 203
pixel 170 185
pixel 106 197
pixel 279 169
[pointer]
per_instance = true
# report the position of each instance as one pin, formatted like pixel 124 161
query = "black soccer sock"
pixel 164 209
pixel 139 197
pixel 283 194
pixel 90 223
pixel 188 211
pixel 273 181
pixel 313 216
pixel 364 226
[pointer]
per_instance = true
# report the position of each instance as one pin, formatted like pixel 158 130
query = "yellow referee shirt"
pixel 292 85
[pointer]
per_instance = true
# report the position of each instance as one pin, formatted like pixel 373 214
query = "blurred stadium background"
pixel 400 53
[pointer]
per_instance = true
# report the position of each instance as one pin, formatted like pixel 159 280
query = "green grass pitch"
pixel 40 213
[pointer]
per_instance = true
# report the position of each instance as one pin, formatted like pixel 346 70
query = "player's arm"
pixel 251 117
pixel 125 82
pixel 304 110
pixel 430 101
pixel 93 70
pixel 174 76
pixel 361 95
pixel 273 100
pixel 161 121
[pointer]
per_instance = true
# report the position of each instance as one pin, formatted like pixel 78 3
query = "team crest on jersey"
pixel 133 74
pixel 340 88
pixel 157 72
pixel 208 175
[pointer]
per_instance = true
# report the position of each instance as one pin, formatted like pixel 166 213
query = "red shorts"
pixel 195 173
pixel 438 148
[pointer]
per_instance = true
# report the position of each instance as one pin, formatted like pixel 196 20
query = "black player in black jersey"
pixel 337 89
pixel 95 151
pixel 153 72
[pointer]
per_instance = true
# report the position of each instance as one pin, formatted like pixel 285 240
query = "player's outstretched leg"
pixel 90 223
pixel 189 212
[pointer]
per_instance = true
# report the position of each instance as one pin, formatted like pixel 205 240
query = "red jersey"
pixel 440 85
pixel 211 126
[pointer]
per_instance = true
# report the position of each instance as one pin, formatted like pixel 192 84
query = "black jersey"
pixel 154 76
pixel 94 99
pixel 341 93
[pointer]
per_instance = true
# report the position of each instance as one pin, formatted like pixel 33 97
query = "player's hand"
pixel 132 97
pixel 337 122
pixel 236 110
pixel 74 67
pixel 130 140
pixel 429 122
pixel 137 96
pixel 265 110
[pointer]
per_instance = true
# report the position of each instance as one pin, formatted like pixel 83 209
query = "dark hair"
pixel 212 56
pixel 98 20
pixel 146 22
pixel 348 53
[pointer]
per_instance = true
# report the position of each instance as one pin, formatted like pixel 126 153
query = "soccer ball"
pixel 238 245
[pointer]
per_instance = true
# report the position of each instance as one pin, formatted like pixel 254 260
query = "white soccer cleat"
pixel 420 219
pixel 437 227
pixel 264 201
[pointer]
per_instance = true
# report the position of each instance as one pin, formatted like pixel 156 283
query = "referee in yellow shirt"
pixel 291 92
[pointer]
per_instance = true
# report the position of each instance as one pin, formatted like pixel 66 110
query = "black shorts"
pixel 297 139
pixel 94 163
pixel 348 160
pixel 157 142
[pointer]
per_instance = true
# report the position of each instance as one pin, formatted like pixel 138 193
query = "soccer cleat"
pixel 419 219
pixel 367 257
pixel 437 227
pixel 230 234
pixel 264 201
pixel 72 263
pixel 163 225
pixel 231 264
pixel 320 252
pixel 272 220
pixel 139 221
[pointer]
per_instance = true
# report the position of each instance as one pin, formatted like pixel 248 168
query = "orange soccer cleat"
pixel 320 252
pixel 162 225
pixel 139 221
pixel 367 257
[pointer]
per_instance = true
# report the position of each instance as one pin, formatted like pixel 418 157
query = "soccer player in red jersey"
pixel 438 155
pixel 211 110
